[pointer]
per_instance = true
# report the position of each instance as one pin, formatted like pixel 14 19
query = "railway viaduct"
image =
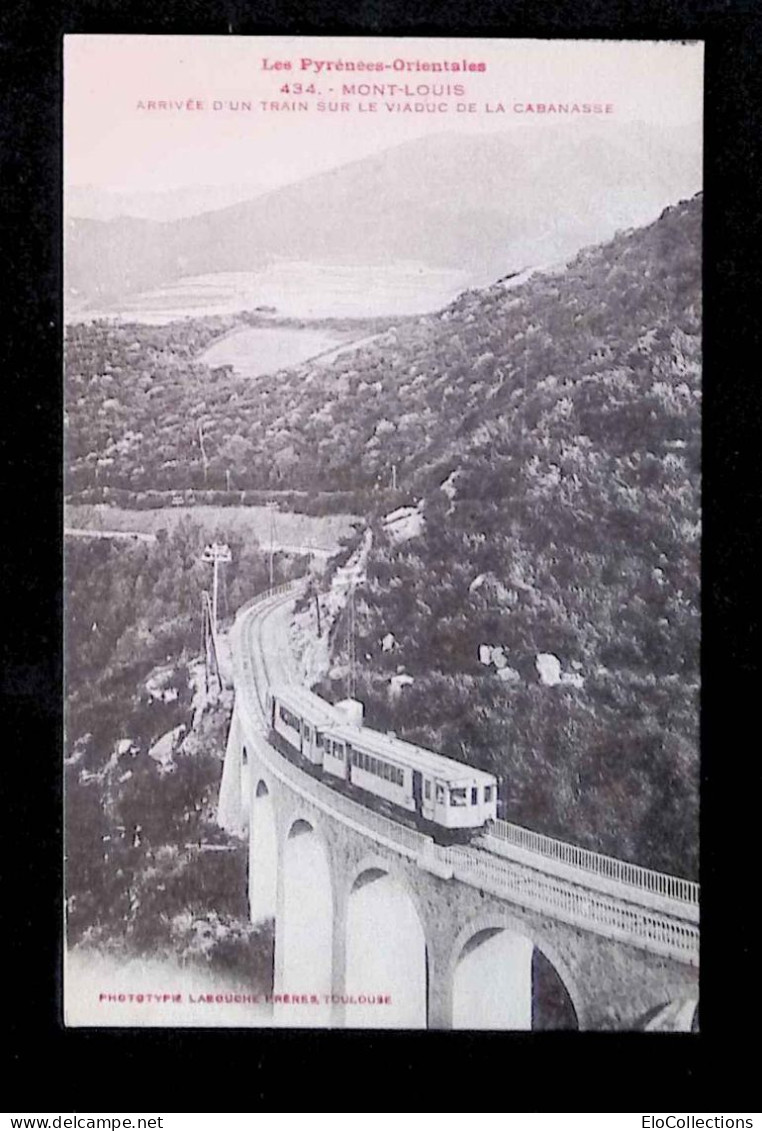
pixel 377 926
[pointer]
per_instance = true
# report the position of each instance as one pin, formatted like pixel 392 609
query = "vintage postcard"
pixel 382 532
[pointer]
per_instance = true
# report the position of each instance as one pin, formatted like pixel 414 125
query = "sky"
pixel 111 142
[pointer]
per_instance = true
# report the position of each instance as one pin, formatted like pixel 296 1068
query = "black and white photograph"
pixel 382 532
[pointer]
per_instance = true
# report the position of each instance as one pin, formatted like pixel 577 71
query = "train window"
pixel 440 793
pixel 427 789
pixel 474 795
pixel 289 719
pixel 339 751
pixel 458 797
pixel 488 793
pixel 307 733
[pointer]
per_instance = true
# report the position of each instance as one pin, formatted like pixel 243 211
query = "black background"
pixel 192 1070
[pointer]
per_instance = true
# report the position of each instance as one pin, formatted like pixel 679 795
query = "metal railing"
pixel 520 882
pixel 610 916
pixel 584 859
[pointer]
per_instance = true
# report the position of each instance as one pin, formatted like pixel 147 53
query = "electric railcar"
pixel 440 794
pixel 298 719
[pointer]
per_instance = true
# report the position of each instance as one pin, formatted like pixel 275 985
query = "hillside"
pixel 148 870
pixel 546 607
pixel 93 202
pixel 484 204
pixel 137 395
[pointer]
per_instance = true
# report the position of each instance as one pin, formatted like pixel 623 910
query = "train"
pixel 438 795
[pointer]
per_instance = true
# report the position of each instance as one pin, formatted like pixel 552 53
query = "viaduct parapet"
pixel 378 926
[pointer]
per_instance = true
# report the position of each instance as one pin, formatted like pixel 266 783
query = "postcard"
pixel 382 532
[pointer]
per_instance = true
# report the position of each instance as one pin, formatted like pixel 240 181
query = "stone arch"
pixel 263 854
pixel 386 950
pixel 304 937
pixel 501 976
pixel 679 1015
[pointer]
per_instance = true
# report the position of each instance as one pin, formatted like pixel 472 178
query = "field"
pixel 305 290
pixel 265 349
pixel 290 530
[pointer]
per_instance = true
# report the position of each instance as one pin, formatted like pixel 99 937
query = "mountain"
pixel 544 604
pixel 90 202
pixel 487 204
pixel 542 589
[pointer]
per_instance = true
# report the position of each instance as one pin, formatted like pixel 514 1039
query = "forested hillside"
pixel 138 399
pixel 138 880
pixel 548 609
pixel 136 395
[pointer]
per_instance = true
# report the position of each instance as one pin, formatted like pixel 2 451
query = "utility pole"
pixel 203 450
pixel 271 507
pixel 351 645
pixel 211 656
pixel 217 553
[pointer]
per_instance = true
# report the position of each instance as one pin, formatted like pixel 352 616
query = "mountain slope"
pixel 548 609
pixel 549 435
pixel 489 203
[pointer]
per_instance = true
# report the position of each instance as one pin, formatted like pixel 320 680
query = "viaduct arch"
pixel 516 938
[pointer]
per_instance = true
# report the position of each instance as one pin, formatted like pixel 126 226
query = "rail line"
pixel 644 909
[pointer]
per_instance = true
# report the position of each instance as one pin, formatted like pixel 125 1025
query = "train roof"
pixel 408 754
pixel 306 703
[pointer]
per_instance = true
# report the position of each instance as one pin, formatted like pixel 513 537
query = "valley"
pixel 544 434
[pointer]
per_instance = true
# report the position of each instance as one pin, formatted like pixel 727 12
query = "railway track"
pixel 642 918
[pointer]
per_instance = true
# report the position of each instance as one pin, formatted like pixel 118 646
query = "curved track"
pixel 590 894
